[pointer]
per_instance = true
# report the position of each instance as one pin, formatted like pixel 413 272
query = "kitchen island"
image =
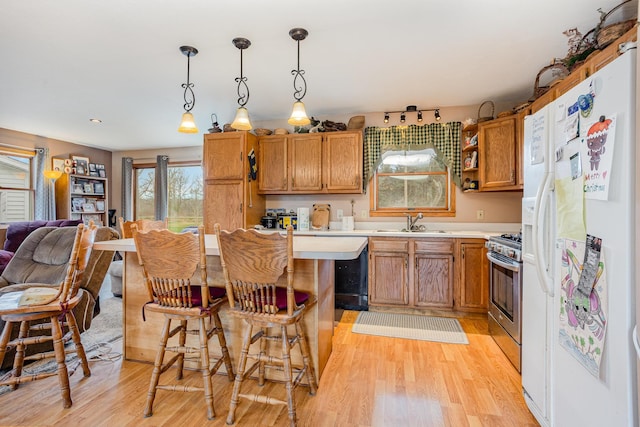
pixel 313 272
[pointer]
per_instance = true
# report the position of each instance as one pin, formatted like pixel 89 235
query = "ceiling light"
pixel 299 115
pixel 95 120
pixel 242 122
pixel 412 109
pixel 188 125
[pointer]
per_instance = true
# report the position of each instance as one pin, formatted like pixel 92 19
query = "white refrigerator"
pixel 578 358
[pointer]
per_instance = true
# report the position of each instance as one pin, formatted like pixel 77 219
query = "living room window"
pixel 16 187
pixel 184 190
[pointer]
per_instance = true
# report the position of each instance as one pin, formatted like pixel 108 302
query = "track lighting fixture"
pixel 412 109
pixel 188 125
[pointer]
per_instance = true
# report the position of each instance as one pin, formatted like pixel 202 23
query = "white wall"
pixel 498 207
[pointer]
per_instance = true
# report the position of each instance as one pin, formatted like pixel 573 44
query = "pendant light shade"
pixel 188 125
pixel 242 122
pixel 299 114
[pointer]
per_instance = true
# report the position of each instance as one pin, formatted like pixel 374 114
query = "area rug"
pixel 105 328
pixel 426 328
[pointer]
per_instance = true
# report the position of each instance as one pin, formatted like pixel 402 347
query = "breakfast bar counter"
pixel 313 272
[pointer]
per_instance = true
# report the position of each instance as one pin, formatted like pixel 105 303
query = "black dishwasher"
pixel 352 284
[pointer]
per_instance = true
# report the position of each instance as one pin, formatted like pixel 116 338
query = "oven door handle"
pixel 503 264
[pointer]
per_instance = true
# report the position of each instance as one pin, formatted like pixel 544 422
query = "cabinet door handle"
pixel 241 207
pixel 462 253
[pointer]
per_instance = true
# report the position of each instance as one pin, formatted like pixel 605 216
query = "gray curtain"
pixel 44 198
pixel 127 189
pixel 161 192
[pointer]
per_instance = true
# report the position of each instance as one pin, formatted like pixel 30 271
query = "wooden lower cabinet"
pixel 388 271
pixel 422 273
pixel 226 206
pixel 433 273
pixel 473 276
pixel 388 278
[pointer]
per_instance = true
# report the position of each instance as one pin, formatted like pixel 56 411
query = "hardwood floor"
pixel 369 381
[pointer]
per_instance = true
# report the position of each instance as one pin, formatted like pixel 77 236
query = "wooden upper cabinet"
pixel 311 163
pixel 224 156
pixel 343 156
pixel 305 163
pixel 230 195
pixel 597 61
pixel 497 152
pixel 272 164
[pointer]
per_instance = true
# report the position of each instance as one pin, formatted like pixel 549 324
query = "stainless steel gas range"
pixel 505 294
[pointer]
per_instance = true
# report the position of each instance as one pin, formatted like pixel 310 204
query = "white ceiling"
pixel 66 61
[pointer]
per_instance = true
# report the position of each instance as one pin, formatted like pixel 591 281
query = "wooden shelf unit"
pixel 80 197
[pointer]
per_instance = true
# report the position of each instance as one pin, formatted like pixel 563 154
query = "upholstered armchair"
pixel 43 258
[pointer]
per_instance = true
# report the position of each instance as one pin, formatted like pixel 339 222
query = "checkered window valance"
pixel 443 137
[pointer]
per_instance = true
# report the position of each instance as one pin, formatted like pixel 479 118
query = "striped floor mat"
pixel 426 328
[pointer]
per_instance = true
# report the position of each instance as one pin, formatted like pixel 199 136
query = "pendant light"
pixel 299 115
pixel 188 125
pixel 242 122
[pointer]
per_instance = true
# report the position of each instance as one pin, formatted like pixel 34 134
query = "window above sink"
pixel 412 179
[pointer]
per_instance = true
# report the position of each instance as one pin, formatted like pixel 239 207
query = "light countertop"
pixel 304 247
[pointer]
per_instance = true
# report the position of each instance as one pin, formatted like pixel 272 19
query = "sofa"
pixel 16 232
pixel 42 259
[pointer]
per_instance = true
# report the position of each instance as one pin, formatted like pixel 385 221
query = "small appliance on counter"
pixel 269 221
pixel 287 219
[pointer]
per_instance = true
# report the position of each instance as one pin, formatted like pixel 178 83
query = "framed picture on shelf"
pixel 100 205
pixel 57 164
pixel 97 219
pixel 77 188
pixel 82 165
pixel 76 204
pixel 88 188
pixel 98 188
pixel 88 207
pixel 102 173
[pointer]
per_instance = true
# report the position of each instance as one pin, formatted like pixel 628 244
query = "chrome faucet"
pixel 411 222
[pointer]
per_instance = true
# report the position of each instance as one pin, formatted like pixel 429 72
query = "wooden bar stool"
pixel 56 304
pixel 169 261
pixel 252 263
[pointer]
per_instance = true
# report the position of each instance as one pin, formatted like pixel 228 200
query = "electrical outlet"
pixel 480 214
pixel 340 213
pixel 364 213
